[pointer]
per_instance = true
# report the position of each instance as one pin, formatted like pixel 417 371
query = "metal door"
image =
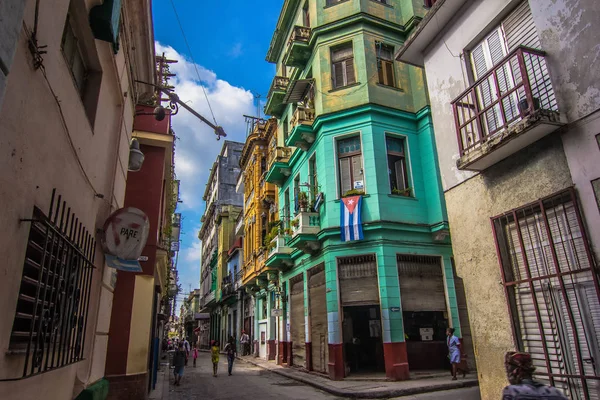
pixel 297 321
pixel 318 317
pixel 358 280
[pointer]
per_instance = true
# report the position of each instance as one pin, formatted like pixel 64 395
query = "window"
pixel 296 194
pixel 306 15
pixel 52 306
pixel 342 66
pixel 285 130
pixel 334 2
pixel 385 64
pixel 350 165
pixel 263 165
pixel 263 228
pixel 286 207
pixel 550 286
pixel 396 157
pixel 74 56
pixel 312 176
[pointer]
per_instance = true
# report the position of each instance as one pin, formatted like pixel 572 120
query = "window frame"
pixel 382 76
pixel 76 53
pixel 342 63
pixel 337 139
pixel 404 158
pixel 312 176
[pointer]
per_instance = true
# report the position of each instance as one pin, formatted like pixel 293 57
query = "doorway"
pixel 363 339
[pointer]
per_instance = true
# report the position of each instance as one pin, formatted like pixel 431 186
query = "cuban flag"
pixel 351 219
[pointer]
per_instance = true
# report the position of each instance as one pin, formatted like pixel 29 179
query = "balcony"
pixel 298 51
pixel 207 299
pixel 280 253
pixel 267 193
pixel 275 105
pixel 506 110
pixel 305 227
pixel 278 167
pixel 302 134
pixel 228 294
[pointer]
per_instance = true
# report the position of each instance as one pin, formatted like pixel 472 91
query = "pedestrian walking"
pixel 453 352
pixel 519 371
pixel 178 364
pixel 214 356
pixel 186 347
pixel 195 354
pixel 244 341
pixel 231 352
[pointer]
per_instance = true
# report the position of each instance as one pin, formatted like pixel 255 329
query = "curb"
pixel 374 394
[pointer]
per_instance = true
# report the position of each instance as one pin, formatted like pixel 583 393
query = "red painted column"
pixel 335 366
pixel 290 354
pixel 144 191
pixel 271 349
pixel 396 361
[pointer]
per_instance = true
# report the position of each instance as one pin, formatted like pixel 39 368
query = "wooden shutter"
pixel 345 176
pixel 338 74
pixel 297 322
pixel 357 174
pixel 358 280
pixel 318 317
pixel 349 67
pixel 421 283
pixel 519 28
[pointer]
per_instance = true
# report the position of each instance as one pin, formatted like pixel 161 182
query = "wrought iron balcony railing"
pixel 516 88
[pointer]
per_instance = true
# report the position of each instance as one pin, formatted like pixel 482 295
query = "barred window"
pixel 552 290
pixel 52 307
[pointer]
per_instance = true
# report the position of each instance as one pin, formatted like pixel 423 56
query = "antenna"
pixel 257 99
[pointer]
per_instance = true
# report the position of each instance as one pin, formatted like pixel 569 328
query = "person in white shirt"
pixel 244 340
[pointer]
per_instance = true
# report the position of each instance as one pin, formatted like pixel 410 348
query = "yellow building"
pixel 261 219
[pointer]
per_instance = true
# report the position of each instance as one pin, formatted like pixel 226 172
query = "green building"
pixel 358 124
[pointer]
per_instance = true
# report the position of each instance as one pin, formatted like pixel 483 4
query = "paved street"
pixel 251 382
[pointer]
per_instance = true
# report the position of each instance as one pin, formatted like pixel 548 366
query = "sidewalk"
pixel 161 392
pixel 367 388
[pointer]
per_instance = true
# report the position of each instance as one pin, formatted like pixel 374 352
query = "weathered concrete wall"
pixel 39 151
pixel 11 19
pixel 569 33
pixel 447 78
pixel 535 172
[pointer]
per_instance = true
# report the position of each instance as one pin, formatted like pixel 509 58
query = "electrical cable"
pixel 193 61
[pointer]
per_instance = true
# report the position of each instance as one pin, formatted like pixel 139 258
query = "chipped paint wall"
pixel 554 163
pixel 568 31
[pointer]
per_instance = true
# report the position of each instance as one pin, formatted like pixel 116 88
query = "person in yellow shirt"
pixel 214 355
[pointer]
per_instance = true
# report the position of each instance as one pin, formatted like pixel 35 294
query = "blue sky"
pixel 229 42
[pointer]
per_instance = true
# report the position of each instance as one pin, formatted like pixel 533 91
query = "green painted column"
pixel 389 292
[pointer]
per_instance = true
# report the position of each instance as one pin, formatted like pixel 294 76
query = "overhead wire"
pixel 193 61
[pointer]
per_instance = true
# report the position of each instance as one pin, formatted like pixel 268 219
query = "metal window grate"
pixel 418 265
pixel 52 308
pixel 553 292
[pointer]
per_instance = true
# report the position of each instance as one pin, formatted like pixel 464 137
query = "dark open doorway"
pixel 363 343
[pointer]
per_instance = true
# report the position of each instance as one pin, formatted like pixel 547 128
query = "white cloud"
pixel 193 254
pixel 197 149
pixel 236 50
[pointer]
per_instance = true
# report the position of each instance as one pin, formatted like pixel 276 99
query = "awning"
pixel 297 90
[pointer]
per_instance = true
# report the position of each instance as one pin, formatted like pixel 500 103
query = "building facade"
pixel 66 125
pixel 260 218
pixel 358 129
pixel 131 362
pixel 511 85
pixel 223 206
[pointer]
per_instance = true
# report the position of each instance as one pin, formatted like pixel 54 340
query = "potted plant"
pixel 524 105
pixel 354 192
pixel 402 192
pixel 303 201
pixel 295 223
